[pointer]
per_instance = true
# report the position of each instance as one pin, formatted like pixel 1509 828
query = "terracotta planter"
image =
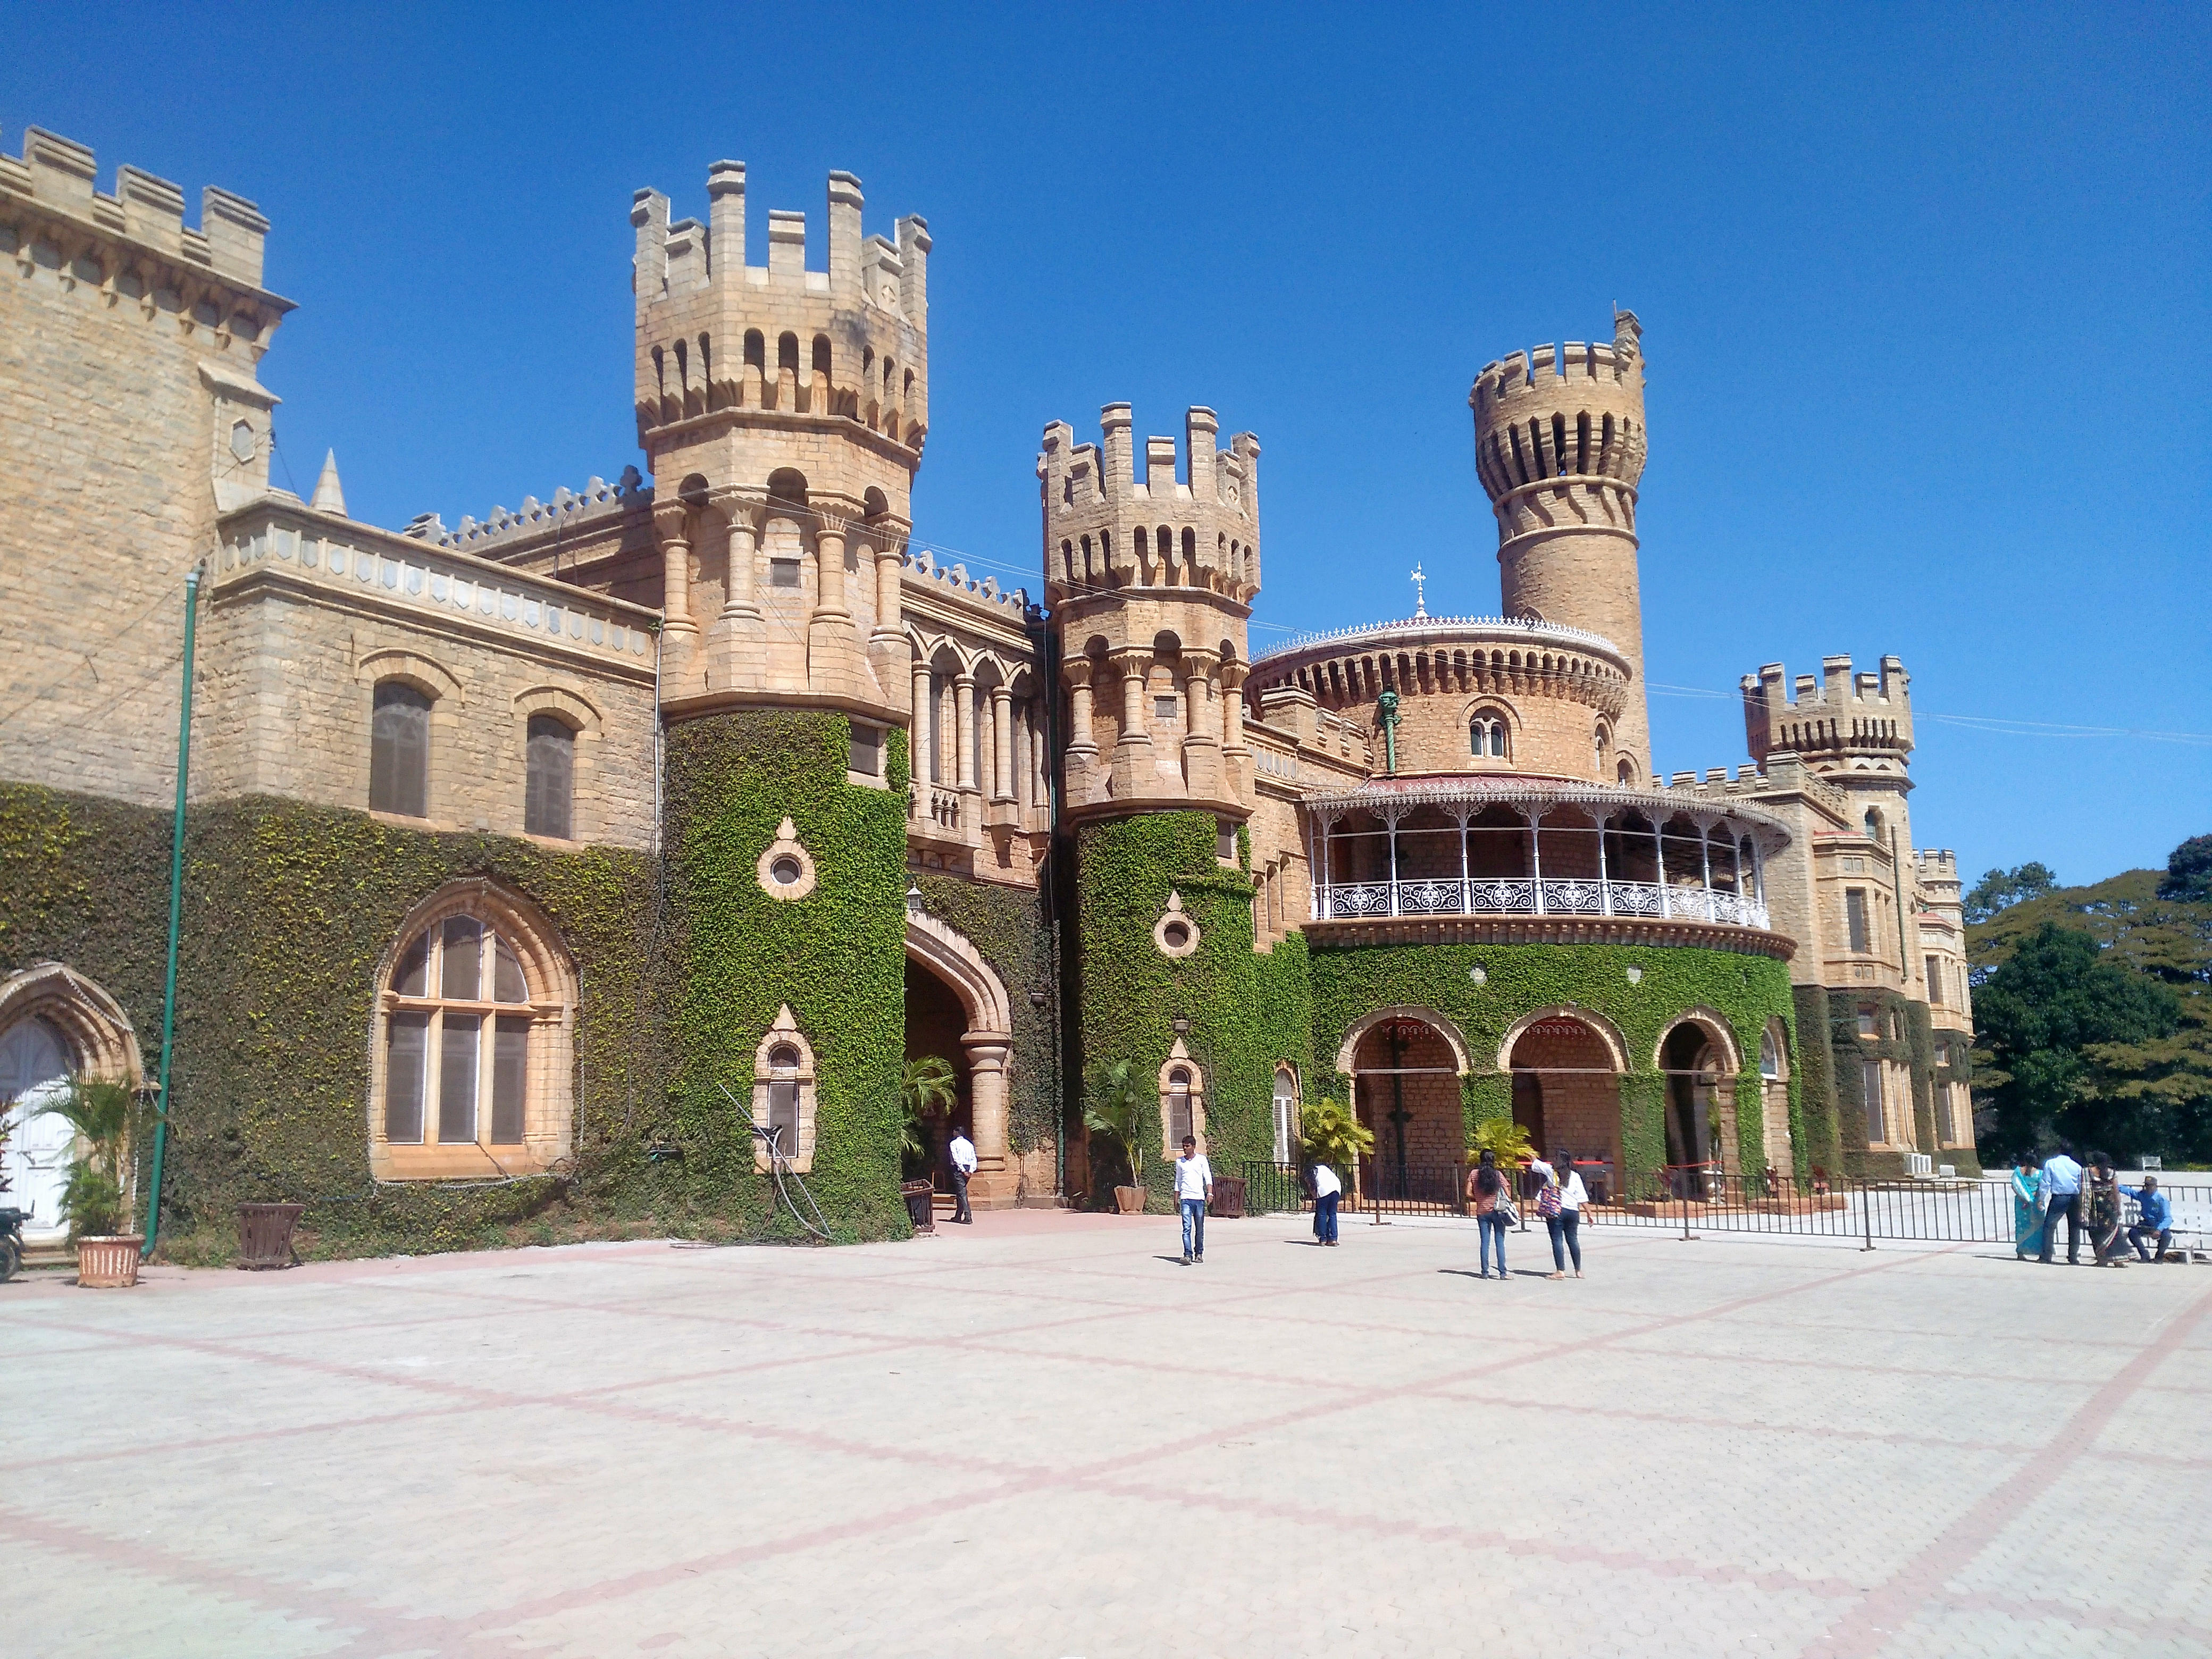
pixel 108 1264
pixel 1130 1200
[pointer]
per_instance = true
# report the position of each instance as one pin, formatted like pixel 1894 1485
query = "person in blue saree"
pixel 2026 1205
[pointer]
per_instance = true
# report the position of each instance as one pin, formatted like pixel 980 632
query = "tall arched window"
pixel 783 1096
pixel 399 750
pixel 1286 1113
pixel 1182 1101
pixel 1179 1123
pixel 550 777
pixel 473 1052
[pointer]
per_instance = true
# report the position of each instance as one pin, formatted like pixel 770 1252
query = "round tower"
pixel 1559 444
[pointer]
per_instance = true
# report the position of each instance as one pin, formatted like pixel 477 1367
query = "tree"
pixel 2053 1001
pixel 928 1089
pixel 2189 872
pixel 2000 889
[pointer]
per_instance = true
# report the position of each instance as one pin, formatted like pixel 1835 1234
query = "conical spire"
pixel 330 496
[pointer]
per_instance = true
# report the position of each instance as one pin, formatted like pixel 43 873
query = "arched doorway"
pixel 54 1025
pixel 1695 1057
pixel 957 1008
pixel 1566 1074
pixel 1406 1066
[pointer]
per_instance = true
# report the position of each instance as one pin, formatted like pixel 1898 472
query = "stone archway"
pixel 1566 1065
pixel 986 1048
pixel 54 1025
pixel 1406 1066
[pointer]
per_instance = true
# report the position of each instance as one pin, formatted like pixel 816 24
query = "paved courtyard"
pixel 1043 1436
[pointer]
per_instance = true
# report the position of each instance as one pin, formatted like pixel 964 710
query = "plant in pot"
pixel 1116 1116
pixel 100 1195
pixel 928 1089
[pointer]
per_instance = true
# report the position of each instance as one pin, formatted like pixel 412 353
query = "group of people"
pixel 1558 1199
pixel 2047 1191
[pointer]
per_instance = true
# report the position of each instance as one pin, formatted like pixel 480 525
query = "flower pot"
pixel 264 1235
pixel 919 1196
pixel 108 1264
pixel 1130 1200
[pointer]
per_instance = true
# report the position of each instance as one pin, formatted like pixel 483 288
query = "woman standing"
pixel 2026 1205
pixel 1485 1185
pixel 1560 1204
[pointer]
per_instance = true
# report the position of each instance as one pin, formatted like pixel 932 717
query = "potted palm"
pixel 928 1089
pixel 99 1196
pixel 1330 1132
pixel 1116 1115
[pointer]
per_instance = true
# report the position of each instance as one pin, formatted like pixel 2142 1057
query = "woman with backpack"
pixel 1560 1204
pixel 1493 1208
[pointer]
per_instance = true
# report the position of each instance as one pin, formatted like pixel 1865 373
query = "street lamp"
pixel 912 899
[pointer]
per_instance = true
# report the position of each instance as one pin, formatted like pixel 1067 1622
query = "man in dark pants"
pixel 961 1153
pixel 2062 1188
pixel 2156 1221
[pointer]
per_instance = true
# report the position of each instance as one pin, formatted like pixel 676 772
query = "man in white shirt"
pixel 1193 1186
pixel 962 1151
pixel 2061 1191
pixel 1329 1193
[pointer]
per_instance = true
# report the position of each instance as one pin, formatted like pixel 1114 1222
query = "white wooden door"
pixel 33 1071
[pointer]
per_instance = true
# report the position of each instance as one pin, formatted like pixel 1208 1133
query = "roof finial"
pixel 1420 595
pixel 330 496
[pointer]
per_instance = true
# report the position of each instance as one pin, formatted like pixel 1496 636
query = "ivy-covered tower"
pixel 1149 581
pixel 783 411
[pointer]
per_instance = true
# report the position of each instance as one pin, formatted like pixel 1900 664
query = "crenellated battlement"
pixel 1550 414
pixel 1106 527
pixel 1834 717
pixel 569 510
pixel 918 564
pixel 847 341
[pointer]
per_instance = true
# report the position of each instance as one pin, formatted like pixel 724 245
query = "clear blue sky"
pixel 1924 292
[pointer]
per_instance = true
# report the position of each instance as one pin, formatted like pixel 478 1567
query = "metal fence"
pixel 1702 1198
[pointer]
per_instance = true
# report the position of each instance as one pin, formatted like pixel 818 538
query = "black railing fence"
pixel 1705 1198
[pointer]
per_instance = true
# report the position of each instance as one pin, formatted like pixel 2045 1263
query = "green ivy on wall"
pixel 1813 1080
pixel 1915 1050
pixel 736 956
pixel 1350 983
pixel 290 912
pixel 1246 1011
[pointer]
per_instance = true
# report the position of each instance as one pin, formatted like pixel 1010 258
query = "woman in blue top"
pixel 2026 1205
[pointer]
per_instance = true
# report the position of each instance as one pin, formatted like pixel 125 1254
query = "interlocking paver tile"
pixel 1040 1438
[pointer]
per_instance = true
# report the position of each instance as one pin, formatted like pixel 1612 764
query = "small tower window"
pixel 1487 737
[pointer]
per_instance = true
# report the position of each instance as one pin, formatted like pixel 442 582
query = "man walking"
pixel 1193 1186
pixel 2062 1195
pixel 1329 1193
pixel 962 1151
pixel 2156 1220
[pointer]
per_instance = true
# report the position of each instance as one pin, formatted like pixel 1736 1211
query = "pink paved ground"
pixel 1043 1435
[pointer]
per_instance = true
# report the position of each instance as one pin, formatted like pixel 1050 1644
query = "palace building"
pixel 534 863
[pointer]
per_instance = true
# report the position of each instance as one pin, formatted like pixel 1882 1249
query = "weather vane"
pixel 1420 592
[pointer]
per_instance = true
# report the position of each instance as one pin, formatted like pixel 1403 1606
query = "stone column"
pixel 671 523
pixel 830 550
pixel 1134 666
pixel 1002 742
pixel 740 600
pixel 887 640
pixel 1201 747
pixel 918 737
pixel 1082 746
pixel 963 703
pixel 995 1184
pixel 1235 757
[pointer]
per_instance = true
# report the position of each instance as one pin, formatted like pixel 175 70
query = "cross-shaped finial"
pixel 1420 593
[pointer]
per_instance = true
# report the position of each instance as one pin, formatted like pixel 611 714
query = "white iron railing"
pixel 1525 895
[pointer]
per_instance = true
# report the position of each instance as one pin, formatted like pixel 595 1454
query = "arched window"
pixel 473 1053
pixel 1624 772
pixel 821 356
pixel 1770 1056
pixel 787 352
pixel 1604 747
pixel 1182 1101
pixel 549 780
pixel 1286 1113
pixel 399 750
pixel 1873 824
pixel 783 1097
pixel 35 1150
pixel 1179 1104
pixel 1486 736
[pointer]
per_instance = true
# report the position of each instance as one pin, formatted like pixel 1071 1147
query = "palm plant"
pixel 109 1120
pixel 928 1089
pixel 1117 1102
pixel 1508 1140
pixel 1332 1134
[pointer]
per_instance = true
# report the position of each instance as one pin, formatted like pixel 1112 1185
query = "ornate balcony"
pixel 1522 896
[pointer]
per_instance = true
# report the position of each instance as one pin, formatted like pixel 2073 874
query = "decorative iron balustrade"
pixel 1524 896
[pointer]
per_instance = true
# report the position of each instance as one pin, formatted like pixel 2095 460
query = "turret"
pixel 1559 447
pixel 783 411
pixel 1838 724
pixel 1151 579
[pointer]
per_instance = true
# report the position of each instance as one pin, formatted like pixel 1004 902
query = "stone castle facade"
pixel 1424 863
